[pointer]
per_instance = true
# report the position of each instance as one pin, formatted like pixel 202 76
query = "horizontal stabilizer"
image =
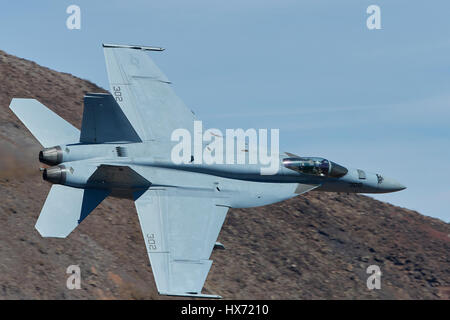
pixel 65 208
pixel 45 125
pixel 104 121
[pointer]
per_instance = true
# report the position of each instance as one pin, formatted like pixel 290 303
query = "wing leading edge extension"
pixel 180 230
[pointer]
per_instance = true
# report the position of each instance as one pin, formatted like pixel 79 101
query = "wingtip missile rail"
pixel 137 47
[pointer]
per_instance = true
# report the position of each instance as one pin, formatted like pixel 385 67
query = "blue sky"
pixel 373 99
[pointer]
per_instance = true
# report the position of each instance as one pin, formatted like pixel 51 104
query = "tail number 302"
pixel 117 93
pixel 151 242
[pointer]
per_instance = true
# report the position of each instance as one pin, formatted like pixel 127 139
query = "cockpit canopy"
pixel 315 166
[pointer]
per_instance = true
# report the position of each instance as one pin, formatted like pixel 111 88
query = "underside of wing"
pixel 145 94
pixel 180 230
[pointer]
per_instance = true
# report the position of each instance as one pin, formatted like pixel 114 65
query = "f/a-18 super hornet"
pixel 124 149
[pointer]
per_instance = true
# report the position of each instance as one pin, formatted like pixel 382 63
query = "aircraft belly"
pixel 235 193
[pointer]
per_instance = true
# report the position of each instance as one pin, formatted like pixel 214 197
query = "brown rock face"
pixel 316 246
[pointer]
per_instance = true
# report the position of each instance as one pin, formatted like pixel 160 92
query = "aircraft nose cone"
pixel 390 185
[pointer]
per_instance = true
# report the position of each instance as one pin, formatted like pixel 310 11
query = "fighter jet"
pixel 124 149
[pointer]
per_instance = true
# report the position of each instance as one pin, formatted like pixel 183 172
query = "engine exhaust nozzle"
pixel 55 175
pixel 51 156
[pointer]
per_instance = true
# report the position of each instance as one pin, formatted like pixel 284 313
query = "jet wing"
pixel 180 229
pixel 145 94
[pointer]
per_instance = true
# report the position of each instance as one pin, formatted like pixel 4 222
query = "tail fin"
pixel 65 208
pixel 104 121
pixel 45 125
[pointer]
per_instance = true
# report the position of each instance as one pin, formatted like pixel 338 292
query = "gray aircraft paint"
pixel 123 150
